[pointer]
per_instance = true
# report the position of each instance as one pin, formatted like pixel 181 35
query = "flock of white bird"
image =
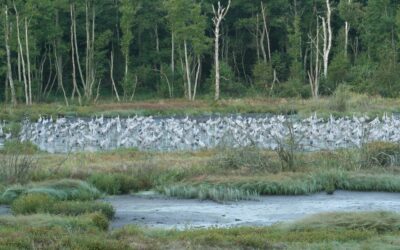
pixel 170 134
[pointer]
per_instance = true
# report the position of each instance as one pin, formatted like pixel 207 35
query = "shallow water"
pixel 4 210
pixel 161 212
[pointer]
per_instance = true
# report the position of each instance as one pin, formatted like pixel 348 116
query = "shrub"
pixel 17 168
pixel 287 146
pixel 248 157
pixel 100 220
pixel 75 208
pixel 31 204
pixel 381 154
pixel 263 75
pixel 339 100
pixel 228 84
pixel 16 147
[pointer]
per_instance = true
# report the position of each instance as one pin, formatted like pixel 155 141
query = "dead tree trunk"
pixel 266 30
pixel 22 56
pixel 73 45
pixel 9 70
pixel 196 81
pixel 314 72
pixel 327 36
pixel 219 15
pixel 28 62
pixel 187 67
pixel 346 35
pixel 112 74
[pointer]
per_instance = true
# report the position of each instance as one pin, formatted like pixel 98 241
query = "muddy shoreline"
pixel 168 213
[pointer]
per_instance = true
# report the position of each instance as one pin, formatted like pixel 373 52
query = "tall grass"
pixel 298 184
pixel 61 190
pixel 42 203
pixel 375 221
pixel 209 192
pixel 76 223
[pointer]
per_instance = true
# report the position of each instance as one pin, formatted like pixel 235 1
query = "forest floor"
pixel 351 104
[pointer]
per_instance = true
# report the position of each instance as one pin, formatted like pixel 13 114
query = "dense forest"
pixel 81 51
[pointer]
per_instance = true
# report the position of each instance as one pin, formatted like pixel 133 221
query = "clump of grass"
pixel 208 192
pixel 382 154
pixel 71 223
pixel 42 203
pixel 75 208
pixel 99 220
pixel 374 221
pixel 60 190
pixel 248 157
pixel 340 99
pixel 114 183
pixel 31 204
pixel 370 182
pixel 285 184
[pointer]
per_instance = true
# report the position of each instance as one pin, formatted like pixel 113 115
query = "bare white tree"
pixel 219 15
pixel 327 37
pixel 17 17
pixel 9 71
pixel 346 37
pixel 265 32
pixel 112 74
pixel 314 71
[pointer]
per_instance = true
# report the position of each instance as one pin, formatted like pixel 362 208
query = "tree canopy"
pixel 92 49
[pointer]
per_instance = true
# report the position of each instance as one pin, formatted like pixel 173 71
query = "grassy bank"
pixel 350 104
pixel 227 174
pixel 378 230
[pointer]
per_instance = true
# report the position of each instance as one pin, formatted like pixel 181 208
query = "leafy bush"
pixel 16 147
pixel 59 190
pixel 292 88
pixel 263 75
pixel 381 154
pixel 339 100
pixel 228 84
pixel 31 204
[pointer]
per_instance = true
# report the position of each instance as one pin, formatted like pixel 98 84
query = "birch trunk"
pixel 266 31
pixel 22 57
pixel 9 70
pixel 28 62
pixel 327 29
pixel 112 75
pixel 219 15
pixel 196 82
pixel 346 35
pixel 73 45
pixel 189 83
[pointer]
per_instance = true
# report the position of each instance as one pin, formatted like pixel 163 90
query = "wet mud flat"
pixel 168 213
